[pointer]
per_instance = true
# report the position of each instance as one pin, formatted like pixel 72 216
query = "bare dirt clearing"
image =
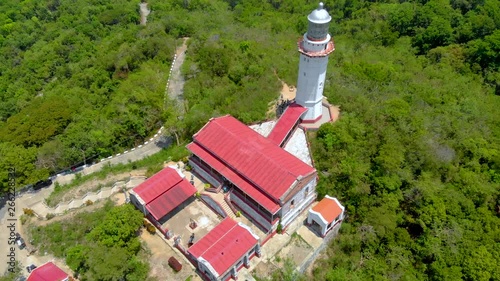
pixel 159 253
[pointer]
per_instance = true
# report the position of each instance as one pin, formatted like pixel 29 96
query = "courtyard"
pixel 191 217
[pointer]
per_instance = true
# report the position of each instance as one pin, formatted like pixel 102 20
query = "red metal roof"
pixel 47 272
pixel 328 208
pixel 170 199
pixel 233 177
pixel 164 191
pixel 157 184
pixel 224 245
pixel 254 157
pixel 286 122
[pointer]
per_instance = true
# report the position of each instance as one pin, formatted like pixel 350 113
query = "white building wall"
pixel 292 214
pixel 205 267
pixel 134 200
pixel 313 216
pixel 299 197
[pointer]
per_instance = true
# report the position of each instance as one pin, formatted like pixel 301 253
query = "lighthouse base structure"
pixel 330 113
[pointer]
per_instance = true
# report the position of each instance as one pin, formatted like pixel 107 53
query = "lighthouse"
pixel 314 48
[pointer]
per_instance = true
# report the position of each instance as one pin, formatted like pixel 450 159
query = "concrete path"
pixel 41 209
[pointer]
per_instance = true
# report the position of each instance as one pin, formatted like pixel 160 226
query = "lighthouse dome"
pixel 320 15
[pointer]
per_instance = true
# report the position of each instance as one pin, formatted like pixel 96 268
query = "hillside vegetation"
pixel 78 79
pixel 414 157
pixel 102 245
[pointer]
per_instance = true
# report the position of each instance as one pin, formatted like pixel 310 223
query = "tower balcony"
pixel 328 49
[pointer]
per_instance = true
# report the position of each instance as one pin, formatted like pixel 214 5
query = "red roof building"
pixel 286 124
pixel 162 193
pixel 225 249
pixel 266 181
pixel 48 272
pixel 325 215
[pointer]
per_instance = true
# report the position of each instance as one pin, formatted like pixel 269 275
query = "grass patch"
pixel 151 163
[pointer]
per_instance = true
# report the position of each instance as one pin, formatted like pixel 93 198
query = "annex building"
pixel 224 250
pixel 325 215
pixel 161 194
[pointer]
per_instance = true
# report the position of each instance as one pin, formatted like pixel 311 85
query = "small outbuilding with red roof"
pixel 162 193
pixel 48 272
pixel 224 250
pixel 325 215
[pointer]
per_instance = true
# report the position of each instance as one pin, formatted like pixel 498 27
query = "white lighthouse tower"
pixel 314 48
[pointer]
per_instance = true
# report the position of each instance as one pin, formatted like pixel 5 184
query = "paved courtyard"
pixel 192 210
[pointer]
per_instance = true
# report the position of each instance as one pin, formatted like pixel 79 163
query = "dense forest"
pixel 78 80
pixel 415 156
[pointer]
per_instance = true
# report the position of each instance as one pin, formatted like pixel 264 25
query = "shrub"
pixel 279 229
pixel 151 229
pixel 238 214
pixel 88 202
pixel 24 218
pixel 207 186
pixel 50 216
pixel 174 264
pixel 28 212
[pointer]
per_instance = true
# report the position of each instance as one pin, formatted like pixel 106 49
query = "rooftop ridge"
pixel 234 169
pixel 260 153
pixel 159 194
pixel 222 236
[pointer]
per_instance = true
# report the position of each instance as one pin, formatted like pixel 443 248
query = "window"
pixel 292 204
pixel 304 74
pixel 307 191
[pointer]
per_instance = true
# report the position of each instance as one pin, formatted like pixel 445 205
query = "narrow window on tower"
pixel 304 74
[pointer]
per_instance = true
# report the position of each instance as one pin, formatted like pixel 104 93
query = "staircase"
pixel 228 206
pixel 227 209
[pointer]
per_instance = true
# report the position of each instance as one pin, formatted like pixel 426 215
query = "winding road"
pixel 152 146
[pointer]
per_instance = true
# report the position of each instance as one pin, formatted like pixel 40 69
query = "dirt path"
pixel 287 93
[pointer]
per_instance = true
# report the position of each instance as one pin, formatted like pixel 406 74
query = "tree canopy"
pixel 102 245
